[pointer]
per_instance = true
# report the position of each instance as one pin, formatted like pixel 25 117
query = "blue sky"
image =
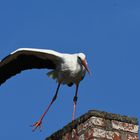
pixel 107 31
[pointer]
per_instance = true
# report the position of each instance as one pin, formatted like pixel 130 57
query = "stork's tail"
pixel 52 74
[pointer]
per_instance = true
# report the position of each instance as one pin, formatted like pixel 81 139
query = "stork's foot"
pixel 36 125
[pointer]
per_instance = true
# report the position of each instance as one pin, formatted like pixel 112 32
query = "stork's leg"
pixel 38 123
pixel 75 101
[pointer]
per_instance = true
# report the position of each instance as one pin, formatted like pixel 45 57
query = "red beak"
pixel 84 63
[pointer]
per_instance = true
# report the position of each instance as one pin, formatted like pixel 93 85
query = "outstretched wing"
pixel 27 58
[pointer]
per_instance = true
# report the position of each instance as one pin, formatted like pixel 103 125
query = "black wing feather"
pixel 23 60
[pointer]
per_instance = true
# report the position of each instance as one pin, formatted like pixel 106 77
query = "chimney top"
pixel 99 122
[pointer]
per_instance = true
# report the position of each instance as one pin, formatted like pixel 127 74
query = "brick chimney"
pixel 99 125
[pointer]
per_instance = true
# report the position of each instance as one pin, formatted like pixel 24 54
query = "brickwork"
pixel 99 125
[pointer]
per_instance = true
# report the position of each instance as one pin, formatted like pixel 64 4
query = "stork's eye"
pixel 79 58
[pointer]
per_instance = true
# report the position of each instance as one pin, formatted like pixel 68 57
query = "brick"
pixel 100 133
pixel 89 134
pixel 132 137
pixel 112 135
pixel 116 136
pixel 124 126
pixel 103 134
pixel 74 134
pixel 90 123
pixel 129 136
pixel 82 137
pixel 97 121
pixel 80 128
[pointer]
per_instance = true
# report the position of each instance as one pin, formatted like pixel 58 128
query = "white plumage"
pixel 66 68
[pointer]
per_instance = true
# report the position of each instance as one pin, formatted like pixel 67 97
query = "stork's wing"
pixel 25 58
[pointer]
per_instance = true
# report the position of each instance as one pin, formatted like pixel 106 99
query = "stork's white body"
pixel 68 71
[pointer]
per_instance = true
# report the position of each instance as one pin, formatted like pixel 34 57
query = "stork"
pixel 67 69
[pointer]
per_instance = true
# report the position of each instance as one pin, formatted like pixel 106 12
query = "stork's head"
pixel 83 61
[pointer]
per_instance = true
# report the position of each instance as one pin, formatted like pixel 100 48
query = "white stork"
pixel 66 69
